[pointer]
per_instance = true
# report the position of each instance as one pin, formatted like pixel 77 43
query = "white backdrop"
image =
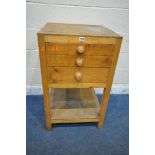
pixel 113 14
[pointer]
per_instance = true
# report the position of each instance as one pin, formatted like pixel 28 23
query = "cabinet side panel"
pixel 105 97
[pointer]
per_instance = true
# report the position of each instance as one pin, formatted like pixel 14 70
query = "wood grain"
pixel 93 49
pixel 44 81
pixel 77 85
pixel 89 49
pixel 70 61
pixel 105 97
pixel 52 48
pixel 72 105
pixel 71 98
pixel 77 29
pixel 75 39
pixel 63 75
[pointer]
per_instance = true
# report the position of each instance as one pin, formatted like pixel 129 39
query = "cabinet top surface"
pixel 77 29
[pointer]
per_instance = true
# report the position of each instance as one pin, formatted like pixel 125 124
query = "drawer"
pixel 72 49
pixel 60 75
pixel 83 61
pixel 56 49
pixel 92 49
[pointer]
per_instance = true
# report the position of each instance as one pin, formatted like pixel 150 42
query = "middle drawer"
pixel 84 61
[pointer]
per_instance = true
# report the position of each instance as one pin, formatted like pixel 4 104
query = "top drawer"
pixel 72 49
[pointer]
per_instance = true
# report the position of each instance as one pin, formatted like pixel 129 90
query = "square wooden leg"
pixel 48 123
pixel 47 109
pixel 103 108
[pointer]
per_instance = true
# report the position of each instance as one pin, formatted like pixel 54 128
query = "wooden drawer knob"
pixel 80 49
pixel 79 62
pixel 78 76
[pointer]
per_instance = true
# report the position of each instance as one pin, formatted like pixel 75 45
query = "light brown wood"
pixel 81 120
pixel 67 75
pixel 105 97
pixel 74 59
pixel 77 29
pixel 74 105
pixel 44 82
pixel 83 49
pixel 52 48
pixel 71 61
pixel 93 49
pixel 77 85
pixel 75 40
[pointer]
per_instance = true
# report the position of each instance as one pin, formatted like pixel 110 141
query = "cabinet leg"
pixel 48 122
pixel 103 108
pixel 48 126
pixel 47 109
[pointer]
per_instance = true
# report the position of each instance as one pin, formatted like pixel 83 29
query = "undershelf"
pixel 74 105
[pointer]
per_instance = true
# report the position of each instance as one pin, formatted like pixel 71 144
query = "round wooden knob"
pixel 78 76
pixel 79 62
pixel 80 49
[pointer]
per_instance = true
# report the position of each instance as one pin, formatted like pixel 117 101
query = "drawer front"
pixel 72 49
pixel 92 49
pixel 72 61
pixel 60 75
pixel 56 49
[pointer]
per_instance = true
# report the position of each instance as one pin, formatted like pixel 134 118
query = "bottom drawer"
pixel 58 75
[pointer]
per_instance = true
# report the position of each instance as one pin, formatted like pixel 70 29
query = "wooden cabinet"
pixel 74 60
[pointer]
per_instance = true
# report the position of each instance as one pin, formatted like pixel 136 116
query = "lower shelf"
pixel 74 105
